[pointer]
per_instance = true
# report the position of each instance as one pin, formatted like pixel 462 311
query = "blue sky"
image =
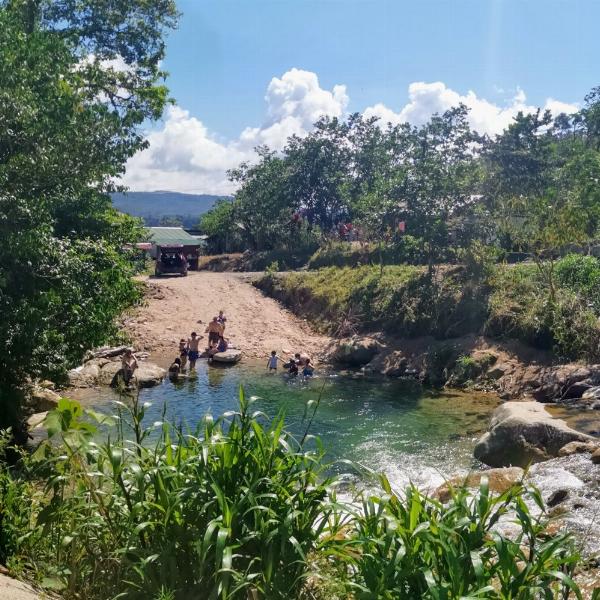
pixel 225 54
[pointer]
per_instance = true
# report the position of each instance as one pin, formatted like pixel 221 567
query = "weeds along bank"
pixel 497 300
pixel 239 508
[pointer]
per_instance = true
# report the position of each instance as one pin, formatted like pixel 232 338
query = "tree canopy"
pixel 77 79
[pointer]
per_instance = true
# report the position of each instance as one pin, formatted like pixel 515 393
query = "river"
pixel 387 425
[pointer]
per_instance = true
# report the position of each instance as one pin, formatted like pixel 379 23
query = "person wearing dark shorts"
pixel 193 352
pixel 215 332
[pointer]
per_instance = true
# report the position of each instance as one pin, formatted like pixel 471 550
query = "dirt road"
pixel 176 306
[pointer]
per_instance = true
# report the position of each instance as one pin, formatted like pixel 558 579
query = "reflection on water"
pixel 384 424
pixel 579 418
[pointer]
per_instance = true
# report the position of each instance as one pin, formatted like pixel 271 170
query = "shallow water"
pixel 387 425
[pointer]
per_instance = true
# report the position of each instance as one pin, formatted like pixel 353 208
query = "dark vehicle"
pixel 170 259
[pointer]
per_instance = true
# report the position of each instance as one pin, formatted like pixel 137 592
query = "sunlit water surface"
pixel 386 425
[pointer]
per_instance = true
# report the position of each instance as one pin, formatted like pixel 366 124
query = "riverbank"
pixel 176 306
pixel 494 332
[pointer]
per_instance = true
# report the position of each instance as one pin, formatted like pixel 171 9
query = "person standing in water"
pixel 272 362
pixel 193 352
pixel 129 364
pixel 183 352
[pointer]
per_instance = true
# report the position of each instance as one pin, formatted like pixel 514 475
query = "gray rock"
pixel 107 352
pixel 576 390
pixel 43 400
pixel 593 393
pixel 391 364
pixel 84 376
pixel 355 352
pixel 578 448
pixel 522 433
pixel 557 497
pixel 596 457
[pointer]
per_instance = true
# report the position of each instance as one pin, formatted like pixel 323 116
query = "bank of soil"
pixel 176 306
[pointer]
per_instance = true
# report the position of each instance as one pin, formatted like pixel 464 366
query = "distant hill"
pixel 155 206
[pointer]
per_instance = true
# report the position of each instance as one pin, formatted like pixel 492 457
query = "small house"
pixel 176 236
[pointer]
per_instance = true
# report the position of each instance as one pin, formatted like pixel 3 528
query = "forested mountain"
pixel 153 207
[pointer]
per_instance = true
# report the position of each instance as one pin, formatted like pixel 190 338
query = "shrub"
pixel 415 547
pixel 468 368
pixel 241 509
pixel 581 274
pixel 228 511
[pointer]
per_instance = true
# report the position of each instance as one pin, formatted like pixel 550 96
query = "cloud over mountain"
pixel 185 156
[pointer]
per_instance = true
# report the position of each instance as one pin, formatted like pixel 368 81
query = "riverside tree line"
pixel 532 188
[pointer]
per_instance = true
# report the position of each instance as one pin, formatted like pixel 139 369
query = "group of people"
pixel 189 350
pixel 300 364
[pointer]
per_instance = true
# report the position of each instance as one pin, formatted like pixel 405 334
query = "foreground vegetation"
pixel 479 296
pixel 240 508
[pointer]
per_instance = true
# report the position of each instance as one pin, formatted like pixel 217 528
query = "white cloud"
pixel 425 99
pixel 185 156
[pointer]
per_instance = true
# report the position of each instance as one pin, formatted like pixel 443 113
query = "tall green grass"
pixel 239 508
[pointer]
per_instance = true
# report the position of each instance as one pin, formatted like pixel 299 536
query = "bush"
pixel 415 547
pixel 400 299
pixel 581 274
pixel 241 509
pixel 520 308
pixel 228 511
pixel 468 368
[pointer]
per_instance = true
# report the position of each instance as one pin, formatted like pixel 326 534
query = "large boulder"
pixel 148 375
pixel 102 371
pixel 522 433
pixel 43 400
pixel 85 375
pixel 392 364
pixel 355 351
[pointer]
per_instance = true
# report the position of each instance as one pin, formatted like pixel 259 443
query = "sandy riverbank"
pixel 176 306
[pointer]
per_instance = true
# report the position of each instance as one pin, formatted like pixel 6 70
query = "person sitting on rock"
pixel 221 346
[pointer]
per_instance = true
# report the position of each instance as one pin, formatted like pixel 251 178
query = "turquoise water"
pixel 386 425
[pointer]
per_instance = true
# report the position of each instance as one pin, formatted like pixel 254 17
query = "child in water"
pixel 272 362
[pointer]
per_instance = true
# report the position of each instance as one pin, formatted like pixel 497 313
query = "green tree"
pixel 221 228
pixel 542 180
pixel 262 209
pixel 77 79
